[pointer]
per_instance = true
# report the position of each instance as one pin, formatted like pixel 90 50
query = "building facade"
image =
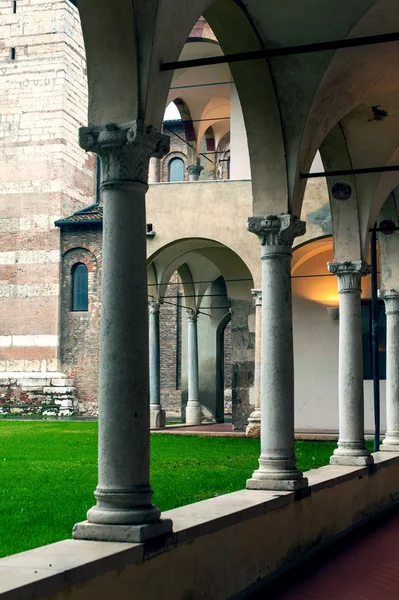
pixel 199 254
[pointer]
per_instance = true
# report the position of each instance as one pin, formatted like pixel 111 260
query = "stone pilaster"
pixel 277 464
pixel 351 444
pixel 391 441
pixel 194 172
pixel 193 408
pixel 157 415
pixel 253 427
pixel 124 511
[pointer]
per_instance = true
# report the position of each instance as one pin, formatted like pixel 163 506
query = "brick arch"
pixel 166 161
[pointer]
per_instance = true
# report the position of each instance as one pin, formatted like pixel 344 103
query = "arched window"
pixel 80 287
pixel 176 169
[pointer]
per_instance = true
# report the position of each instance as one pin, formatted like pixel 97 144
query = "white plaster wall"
pixel 316 370
pixel 239 161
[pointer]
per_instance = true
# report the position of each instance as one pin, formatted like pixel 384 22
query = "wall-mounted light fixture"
pixel 150 231
pixel 333 312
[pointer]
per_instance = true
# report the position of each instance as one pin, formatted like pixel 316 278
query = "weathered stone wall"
pixel 170 323
pixel 38 396
pixel 80 329
pixel 243 362
pixel 43 172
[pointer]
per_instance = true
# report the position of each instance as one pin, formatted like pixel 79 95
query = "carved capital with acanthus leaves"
pixel 276 233
pixel 257 296
pixel 391 299
pixel 154 305
pixel 349 274
pixel 125 150
pixel 192 315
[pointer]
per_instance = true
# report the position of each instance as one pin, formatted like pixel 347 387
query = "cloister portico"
pixel 279 196
pixel 322 99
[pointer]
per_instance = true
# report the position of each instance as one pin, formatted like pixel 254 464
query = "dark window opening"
pixel 367 340
pixel 176 169
pixel 13 53
pixel 14 6
pixel 80 287
pixel 149 227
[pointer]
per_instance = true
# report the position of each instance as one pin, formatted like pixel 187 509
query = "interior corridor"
pixel 362 566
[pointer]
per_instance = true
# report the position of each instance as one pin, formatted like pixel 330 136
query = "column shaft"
pixel 391 441
pixel 157 415
pixel 254 420
pixel 193 409
pixel 351 444
pixel 123 511
pixel 277 464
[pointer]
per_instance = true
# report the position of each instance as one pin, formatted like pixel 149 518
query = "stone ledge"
pixel 59 567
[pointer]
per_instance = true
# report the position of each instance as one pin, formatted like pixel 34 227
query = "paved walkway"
pixel 226 430
pixel 363 566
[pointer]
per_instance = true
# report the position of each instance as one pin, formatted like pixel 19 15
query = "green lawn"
pixel 48 473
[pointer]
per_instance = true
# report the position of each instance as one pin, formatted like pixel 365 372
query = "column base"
pixel 390 442
pixel 253 427
pixel 283 485
pixel 277 474
pixel 193 413
pixel 157 416
pixel 121 533
pixel 351 454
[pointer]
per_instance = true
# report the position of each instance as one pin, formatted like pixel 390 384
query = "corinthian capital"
pixel 276 233
pixel 192 315
pixel 391 299
pixel 125 150
pixel 349 274
pixel 154 305
pixel 257 295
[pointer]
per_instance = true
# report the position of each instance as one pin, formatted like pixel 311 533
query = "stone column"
pixel 193 409
pixel 391 441
pixel 194 171
pixel 157 415
pixel 351 445
pixel 253 427
pixel 124 511
pixel 277 464
pixel 154 172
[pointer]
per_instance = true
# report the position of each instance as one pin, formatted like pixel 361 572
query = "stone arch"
pixel 350 79
pixel 345 214
pixel 236 33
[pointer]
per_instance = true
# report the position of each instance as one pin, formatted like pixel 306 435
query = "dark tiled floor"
pixel 363 566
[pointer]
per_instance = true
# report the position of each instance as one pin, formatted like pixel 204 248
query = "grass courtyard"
pixel 48 471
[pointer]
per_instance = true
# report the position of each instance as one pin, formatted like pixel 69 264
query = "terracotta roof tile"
pixel 91 214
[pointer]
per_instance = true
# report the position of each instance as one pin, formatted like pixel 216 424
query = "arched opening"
pixel 176 169
pixel 79 287
pixel 214 281
pixel 316 336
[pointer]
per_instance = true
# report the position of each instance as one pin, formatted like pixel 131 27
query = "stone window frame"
pixel 74 280
pixel 165 165
pixel 71 257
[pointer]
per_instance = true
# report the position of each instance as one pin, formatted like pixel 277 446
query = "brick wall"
pixel 43 172
pixel 170 339
pixel 80 330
